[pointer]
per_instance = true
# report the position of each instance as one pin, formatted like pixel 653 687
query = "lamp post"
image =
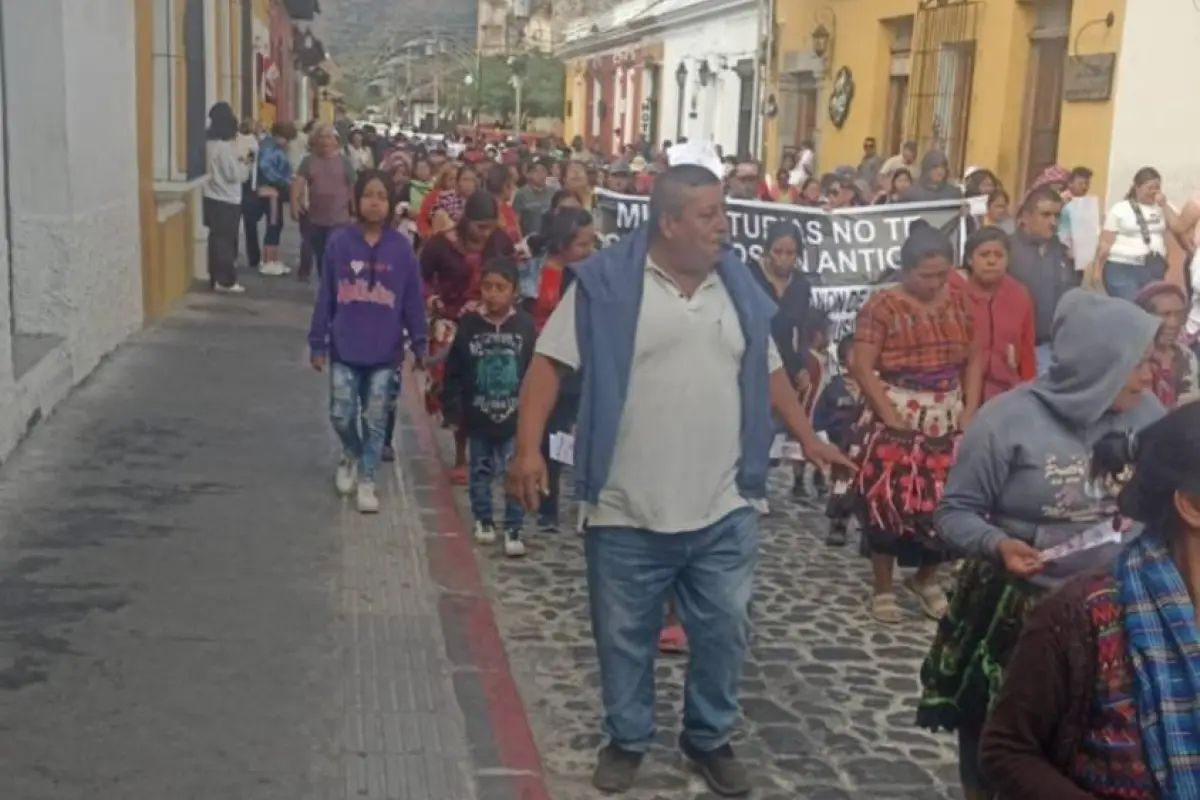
pixel 469 81
pixel 517 65
pixel 824 39
pixel 681 76
pixel 820 40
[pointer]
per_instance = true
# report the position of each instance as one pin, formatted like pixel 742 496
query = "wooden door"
pixel 1043 109
pixel 897 114
pixel 806 117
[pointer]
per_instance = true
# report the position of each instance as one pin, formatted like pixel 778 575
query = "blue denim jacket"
pixel 608 301
pixel 274 168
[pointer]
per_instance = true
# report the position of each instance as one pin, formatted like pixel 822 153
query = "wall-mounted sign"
pixel 1089 79
pixel 841 96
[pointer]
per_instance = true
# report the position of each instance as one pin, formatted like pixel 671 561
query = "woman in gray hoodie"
pixel 933 183
pixel 1024 482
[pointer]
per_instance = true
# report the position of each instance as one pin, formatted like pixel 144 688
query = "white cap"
pixel 702 154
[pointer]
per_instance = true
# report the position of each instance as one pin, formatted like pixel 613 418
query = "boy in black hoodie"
pixel 484 370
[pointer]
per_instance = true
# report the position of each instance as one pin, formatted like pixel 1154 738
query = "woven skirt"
pixel 901 475
pixel 962 674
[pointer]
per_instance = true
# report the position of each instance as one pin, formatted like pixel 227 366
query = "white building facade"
pixel 1154 121
pixel 70 252
pixel 718 99
pixel 664 70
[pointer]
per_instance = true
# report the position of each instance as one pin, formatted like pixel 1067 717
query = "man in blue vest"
pixel 672 339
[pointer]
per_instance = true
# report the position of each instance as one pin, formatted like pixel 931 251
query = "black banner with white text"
pixel 847 254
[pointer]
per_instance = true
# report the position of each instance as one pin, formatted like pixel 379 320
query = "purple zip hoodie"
pixel 370 302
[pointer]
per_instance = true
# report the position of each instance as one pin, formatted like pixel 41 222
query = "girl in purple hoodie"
pixel 369 305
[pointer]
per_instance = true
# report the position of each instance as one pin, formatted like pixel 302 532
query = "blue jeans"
pixel 360 400
pixel 488 458
pixel 710 573
pixel 389 436
pixel 1126 280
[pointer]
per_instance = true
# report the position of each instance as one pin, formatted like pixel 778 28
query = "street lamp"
pixel 824 35
pixel 820 40
pixel 517 66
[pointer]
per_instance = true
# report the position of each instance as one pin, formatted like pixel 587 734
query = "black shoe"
pixel 389 453
pixel 616 769
pixel 837 534
pixel 799 490
pixel 720 768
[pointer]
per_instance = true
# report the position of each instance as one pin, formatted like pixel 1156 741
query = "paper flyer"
pixel 1098 535
pixel 562 448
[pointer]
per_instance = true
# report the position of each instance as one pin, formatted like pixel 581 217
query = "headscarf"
pixel 1167 377
pixel 1049 176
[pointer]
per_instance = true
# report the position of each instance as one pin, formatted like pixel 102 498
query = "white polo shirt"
pixel 674 468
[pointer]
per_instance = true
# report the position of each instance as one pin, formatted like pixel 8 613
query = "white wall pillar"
pixel 303 112
pixel 73 170
pixel 212 55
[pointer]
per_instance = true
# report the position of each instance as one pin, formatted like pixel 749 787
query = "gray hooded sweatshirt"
pixel 923 189
pixel 1024 466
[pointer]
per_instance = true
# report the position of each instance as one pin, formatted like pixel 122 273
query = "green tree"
pixel 541 89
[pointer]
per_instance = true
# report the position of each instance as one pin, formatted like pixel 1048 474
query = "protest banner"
pixel 847 253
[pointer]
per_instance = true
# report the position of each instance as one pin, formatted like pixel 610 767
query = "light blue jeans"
pixel 710 572
pixel 1126 280
pixel 360 399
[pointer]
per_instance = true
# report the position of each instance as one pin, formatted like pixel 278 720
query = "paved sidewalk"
pixel 187 610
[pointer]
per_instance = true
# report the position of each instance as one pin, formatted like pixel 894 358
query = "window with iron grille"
pixel 941 78
pixel 180 91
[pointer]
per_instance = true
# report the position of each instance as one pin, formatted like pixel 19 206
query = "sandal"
pixel 885 609
pixel 933 599
pixel 672 639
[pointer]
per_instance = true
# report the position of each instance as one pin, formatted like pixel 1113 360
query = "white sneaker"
pixel 366 501
pixel 513 546
pixel 344 478
pixel 237 288
pixel 485 533
pixel 273 269
pixel 761 506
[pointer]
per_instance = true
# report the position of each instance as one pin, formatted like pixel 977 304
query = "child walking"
pixel 837 409
pixel 818 370
pixel 484 369
pixel 369 304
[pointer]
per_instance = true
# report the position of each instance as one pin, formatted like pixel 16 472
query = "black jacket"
pixel 484 370
pixel 789 328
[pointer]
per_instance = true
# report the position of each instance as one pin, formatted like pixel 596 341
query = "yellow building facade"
pixel 982 80
pixel 188 56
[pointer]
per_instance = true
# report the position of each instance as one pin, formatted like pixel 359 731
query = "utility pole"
pixel 517 81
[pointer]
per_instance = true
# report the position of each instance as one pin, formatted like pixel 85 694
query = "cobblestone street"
pixel 828 695
pixel 187 611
